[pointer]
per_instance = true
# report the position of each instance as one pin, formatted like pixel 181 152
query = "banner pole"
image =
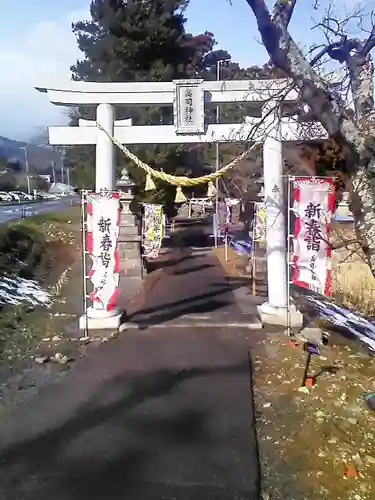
pixel 253 271
pixel 84 262
pixel 253 255
pixel 143 264
pixel 289 180
pixel 215 225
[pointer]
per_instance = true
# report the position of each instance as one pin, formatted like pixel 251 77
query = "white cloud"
pixel 44 54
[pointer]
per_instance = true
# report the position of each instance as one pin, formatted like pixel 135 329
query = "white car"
pixel 45 196
pixel 5 196
pixel 20 196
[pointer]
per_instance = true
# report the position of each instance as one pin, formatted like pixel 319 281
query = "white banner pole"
pixel 289 180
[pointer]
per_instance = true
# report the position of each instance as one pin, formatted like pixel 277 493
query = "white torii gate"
pixel 188 98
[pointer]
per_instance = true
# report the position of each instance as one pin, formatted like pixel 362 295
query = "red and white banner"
pixel 103 221
pixel 314 205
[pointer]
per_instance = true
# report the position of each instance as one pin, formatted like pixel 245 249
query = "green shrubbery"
pixel 22 247
pixel 28 248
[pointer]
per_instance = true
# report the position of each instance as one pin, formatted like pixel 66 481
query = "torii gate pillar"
pixel 105 172
pixel 275 310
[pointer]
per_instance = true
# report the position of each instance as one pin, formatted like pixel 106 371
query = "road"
pixel 14 212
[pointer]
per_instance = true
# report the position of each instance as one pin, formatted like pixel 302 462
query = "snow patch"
pixel 16 291
pixel 241 247
pixel 340 316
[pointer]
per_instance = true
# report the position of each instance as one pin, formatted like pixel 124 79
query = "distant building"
pixel 46 178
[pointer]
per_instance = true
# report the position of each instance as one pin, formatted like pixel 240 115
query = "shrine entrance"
pixel 188 99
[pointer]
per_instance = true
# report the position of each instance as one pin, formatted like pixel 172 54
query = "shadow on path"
pixel 165 414
pixel 120 450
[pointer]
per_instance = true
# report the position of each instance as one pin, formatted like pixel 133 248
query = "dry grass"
pixel 353 282
pixel 354 287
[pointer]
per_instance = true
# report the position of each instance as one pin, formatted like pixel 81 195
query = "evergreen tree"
pixel 146 40
pixel 136 40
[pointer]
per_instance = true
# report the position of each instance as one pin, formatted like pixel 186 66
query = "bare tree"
pixel 352 129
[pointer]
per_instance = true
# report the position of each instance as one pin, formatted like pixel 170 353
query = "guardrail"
pixel 21 202
pixel 27 202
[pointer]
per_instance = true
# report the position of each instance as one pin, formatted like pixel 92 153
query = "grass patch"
pixel 39 248
pixel 70 215
pixel 30 248
pixel 26 335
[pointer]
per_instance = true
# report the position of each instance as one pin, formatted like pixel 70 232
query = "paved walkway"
pixel 195 292
pixel 157 414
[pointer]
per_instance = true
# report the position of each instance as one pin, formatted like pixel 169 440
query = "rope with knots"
pixel 179 181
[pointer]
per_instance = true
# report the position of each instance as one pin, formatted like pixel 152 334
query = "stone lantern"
pixel 129 236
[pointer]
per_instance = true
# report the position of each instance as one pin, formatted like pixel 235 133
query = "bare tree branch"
pixel 353 129
pixel 283 11
pixel 325 50
pixel 354 52
pixel 369 43
pixel 287 56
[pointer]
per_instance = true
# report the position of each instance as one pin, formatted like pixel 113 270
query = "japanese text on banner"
pixel 153 230
pixel 104 226
pixel 313 206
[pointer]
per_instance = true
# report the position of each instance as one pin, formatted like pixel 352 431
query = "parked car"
pixel 43 196
pixel 14 195
pixel 21 196
pixel 5 196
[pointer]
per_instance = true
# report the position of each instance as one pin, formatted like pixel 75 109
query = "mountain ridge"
pixel 38 156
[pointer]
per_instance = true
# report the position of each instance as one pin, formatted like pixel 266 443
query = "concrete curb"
pixel 244 320
pixel 256 325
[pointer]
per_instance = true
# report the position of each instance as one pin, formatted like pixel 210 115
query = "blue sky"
pixel 36 46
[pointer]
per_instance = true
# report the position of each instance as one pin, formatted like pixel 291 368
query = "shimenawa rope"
pixel 179 181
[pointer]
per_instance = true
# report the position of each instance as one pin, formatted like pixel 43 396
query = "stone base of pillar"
pixel 278 316
pixel 98 319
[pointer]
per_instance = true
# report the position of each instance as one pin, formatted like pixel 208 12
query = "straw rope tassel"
pixel 211 190
pixel 150 184
pixel 180 197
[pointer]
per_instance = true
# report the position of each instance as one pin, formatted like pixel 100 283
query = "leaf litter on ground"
pixel 322 436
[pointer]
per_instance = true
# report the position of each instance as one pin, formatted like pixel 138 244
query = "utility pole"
pixel 63 168
pixel 217 166
pixel 68 175
pixel 27 169
pixel 53 172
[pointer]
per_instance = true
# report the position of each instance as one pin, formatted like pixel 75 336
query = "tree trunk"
pixel 363 208
pixel 354 135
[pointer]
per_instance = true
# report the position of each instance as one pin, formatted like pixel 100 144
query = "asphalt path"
pixel 15 212
pixel 159 413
